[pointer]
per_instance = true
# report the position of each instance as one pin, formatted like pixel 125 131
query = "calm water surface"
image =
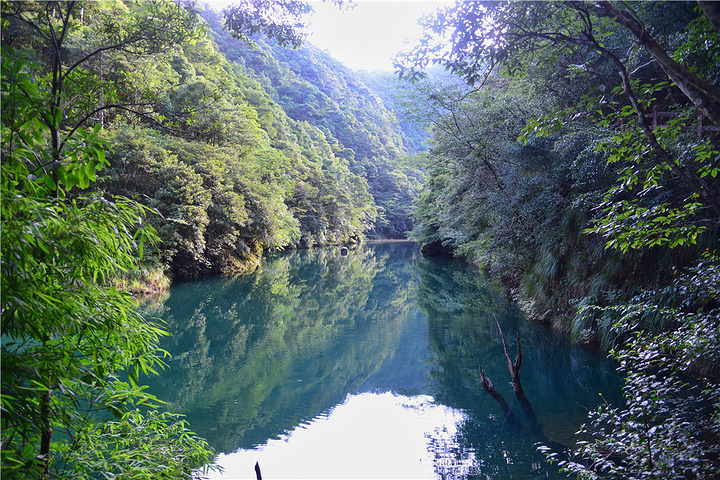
pixel 366 366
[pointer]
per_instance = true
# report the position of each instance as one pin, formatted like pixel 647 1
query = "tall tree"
pixel 69 76
pixel 518 36
pixel 73 347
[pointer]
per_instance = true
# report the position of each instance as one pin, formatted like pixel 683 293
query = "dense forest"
pixel 573 156
pixel 142 144
pixel 239 148
pixel 578 167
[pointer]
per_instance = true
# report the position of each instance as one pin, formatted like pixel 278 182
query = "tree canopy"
pixel 73 347
pixel 579 168
pixel 520 37
pixel 134 150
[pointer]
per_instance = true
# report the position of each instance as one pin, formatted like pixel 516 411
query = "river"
pixel 321 365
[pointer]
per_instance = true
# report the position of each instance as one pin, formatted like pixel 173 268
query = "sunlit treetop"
pixel 472 38
pixel 284 21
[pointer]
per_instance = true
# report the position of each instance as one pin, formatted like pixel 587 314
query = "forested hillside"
pixel 313 87
pixel 244 148
pixel 580 170
pixel 396 95
pixel 544 173
pixel 134 151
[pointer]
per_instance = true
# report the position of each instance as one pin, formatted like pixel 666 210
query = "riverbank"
pixel 145 281
pixel 156 280
pixel 381 347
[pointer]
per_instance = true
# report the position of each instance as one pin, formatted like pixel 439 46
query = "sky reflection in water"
pixel 292 367
pixel 370 435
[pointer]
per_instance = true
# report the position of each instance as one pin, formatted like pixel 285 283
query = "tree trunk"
pixel 691 182
pixel 46 434
pixel 712 12
pixel 704 95
pixel 490 388
pixel 515 374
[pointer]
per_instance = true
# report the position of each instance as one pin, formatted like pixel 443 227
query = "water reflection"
pixel 254 356
pixel 561 381
pixel 366 366
pixel 404 437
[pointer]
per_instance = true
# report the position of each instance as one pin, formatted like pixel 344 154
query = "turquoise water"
pixel 366 366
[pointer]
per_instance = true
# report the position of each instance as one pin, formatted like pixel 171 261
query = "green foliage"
pixel 397 96
pixel 233 174
pixel 648 206
pixel 279 20
pixel 67 336
pixel 700 43
pixel 633 226
pixel 97 60
pixel 168 186
pixel 602 203
pixel 107 100
pixel 669 426
pixel 314 88
pixel 27 126
pixel 137 446
pixel 518 209
pixel 665 193
pixel 587 168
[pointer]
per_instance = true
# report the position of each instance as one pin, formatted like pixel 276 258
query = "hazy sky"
pixel 368 36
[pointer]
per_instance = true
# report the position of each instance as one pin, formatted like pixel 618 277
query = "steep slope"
pixel 229 172
pixel 313 87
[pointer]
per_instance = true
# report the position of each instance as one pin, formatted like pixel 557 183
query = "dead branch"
pixel 515 374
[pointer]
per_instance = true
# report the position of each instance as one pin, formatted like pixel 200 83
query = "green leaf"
pixel 49 182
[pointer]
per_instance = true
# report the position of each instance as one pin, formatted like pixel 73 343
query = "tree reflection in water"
pixel 272 356
pixel 561 381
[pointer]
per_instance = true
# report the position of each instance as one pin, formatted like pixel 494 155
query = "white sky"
pixel 369 35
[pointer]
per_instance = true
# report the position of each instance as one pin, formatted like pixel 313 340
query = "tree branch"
pixel 665 157
pixel 490 388
pixel 712 12
pixel 515 374
pixel 704 95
